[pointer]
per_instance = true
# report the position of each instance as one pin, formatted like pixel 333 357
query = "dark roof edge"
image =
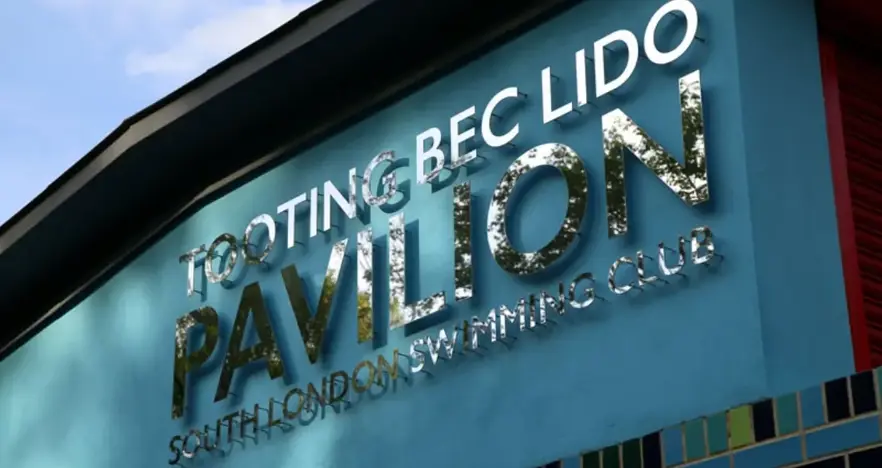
pixel 155 116
pixel 494 34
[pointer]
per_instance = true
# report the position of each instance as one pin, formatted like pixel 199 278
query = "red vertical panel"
pixel 859 75
pixel 851 266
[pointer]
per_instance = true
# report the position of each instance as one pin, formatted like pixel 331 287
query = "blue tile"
pixel 571 462
pixel 672 441
pixel 719 462
pixel 842 437
pixel 812 402
pixel 779 453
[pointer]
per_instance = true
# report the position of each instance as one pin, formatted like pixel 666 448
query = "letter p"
pixel 184 363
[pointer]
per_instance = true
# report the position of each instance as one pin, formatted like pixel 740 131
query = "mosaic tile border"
pixel 832 425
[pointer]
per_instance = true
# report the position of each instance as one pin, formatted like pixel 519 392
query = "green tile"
pixel 631 454
pixel 717 433
pixel 695 447
pixel 611 456
pixel 740 427
pixel 786 414
pixel 591 460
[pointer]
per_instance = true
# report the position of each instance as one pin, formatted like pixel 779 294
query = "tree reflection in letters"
pixel 689 182
pixel 571 167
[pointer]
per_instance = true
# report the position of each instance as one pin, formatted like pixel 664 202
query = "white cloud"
pixel 175 40
pixel 203 45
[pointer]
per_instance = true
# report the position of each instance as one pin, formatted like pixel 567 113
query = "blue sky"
pixel 72 70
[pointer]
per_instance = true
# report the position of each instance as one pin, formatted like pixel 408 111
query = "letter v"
pixel 313 327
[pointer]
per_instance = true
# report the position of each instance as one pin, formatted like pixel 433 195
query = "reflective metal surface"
pixel 270 223
pixel 359 384
pixel 230 261
pixel 433 155
pixel 266 348
pixel 491 139
pixel 564 159
pixel 401 313
pixel 313 327
pixel 365 285
pixel 549 113
pixel 190 259
pixel 441 344
pixel 662 259
pixel 601 46
pixel 462 241
pixel 287 410
pixel 547 301
pixel 504 314
pixel 689 182
pixel 458 137
pixel 290 207
pixel 480 327
pixel 184 363
pixel 346 204
pixel 689 13
pixel 581 78
pixel 642 279
pixel 389 181
pixel 612 276
pixel 589 291
pixel 702 237
pixel 313 211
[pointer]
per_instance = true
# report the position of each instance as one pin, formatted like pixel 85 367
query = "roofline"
pixel 304 27
pixel 486 25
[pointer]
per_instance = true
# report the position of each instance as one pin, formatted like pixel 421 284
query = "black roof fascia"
pixel 333 64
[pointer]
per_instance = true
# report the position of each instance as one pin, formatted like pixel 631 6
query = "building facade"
pixel 602 236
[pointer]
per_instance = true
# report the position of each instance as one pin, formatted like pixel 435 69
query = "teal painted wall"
pixel 94 389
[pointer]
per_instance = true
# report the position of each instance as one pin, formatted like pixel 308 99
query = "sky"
pixel 72 70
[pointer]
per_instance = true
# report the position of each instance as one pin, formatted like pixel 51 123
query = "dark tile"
pixel 838 462
pixel 554 464
pixel 863 393
pixel 871 458
pixel 652 451
pixel 631 454
pixel 611 456
pixel 763 420
pixel 836 396
pixel 591 460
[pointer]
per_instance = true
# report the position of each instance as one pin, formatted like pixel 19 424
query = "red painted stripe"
pixel 842 193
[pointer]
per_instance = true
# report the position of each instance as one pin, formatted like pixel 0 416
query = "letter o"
pixel 570 165
pixel 188 454
pixel 687 8
pixel 234 256
pixel 270 224
pixel 300 400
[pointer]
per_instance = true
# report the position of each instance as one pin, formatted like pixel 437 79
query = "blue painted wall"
pixel 93 390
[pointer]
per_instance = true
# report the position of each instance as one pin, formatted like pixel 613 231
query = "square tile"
pixel 695 444
pixel 652 456
pixel 740 427
pixel 763 420
pixel 631 454
pixel 870 458
pixel 836 398
pixel 717 434
pixel 672 441
pixel 786 414
pixel 591 460
pixel 863 393
pixel 812 406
